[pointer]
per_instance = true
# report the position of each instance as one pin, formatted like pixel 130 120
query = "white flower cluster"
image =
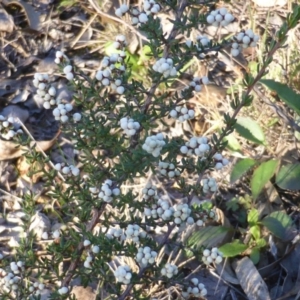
pixel 63 290
pixel 139 17
pixel 7 128
pixel 45 92
pixel 149 191
pixel 62 167
pixel 129 126
pixel 212 256
pixel 37 288
pixel 168 169
pixel 108 192
pixel 209 185
pixel 9 281
pixel 145 256
pixel 196 145
pixel 60 57
pixel 123 274
pixel 219 17
pixel 181 113
pixel 153 144
pixel 161 210
pixel 197 83
pixel 151 7
pixel 123 9
pixel 243 39
pixel 165 67
pixel 68 70
pixel 203 217
pixel 169 270
pixel 111 75
pixel 134 232
pixel 196 289
pixel 182 213
pixel 202 44
pixel 220 161
pixel 115 233
pixel 60 112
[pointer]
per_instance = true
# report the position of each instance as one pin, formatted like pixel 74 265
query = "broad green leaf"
pixel 260 243
pixel 255 255
pixel 232 143
pixel 274 226
pixel 285 93
pixel 288 177
pixel 250 130
pixel 261 176
pixel 255 231
pixel 285 220
pixel 233 249
pixel 210 236
pixel 252 216
pixel 240 168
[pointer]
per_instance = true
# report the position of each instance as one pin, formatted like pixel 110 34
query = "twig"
pixel 83 30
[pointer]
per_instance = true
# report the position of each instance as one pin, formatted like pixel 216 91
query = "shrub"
pixel 127 234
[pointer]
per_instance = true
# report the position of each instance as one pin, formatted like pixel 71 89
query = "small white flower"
pixel 63 290
pixel 45 235
pixel 76 117
pixel 95 249
pixel 86 243
pixel 143 18
pixel 56 234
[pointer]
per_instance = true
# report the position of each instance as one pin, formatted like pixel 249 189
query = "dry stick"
pixel 11 195
pixel 83 30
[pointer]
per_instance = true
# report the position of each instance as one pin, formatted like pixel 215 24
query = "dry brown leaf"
pixel 222 218
pixel 10 150
pixel 33 17
pixel 24 168
pixel 6 22
pixel 225 271
pixel 250 280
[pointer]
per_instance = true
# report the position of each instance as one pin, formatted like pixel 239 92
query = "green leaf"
pixel 255 231
pixel 255 255
pixel 210 236
pixel 260 243
pixel 233 204
pixel 233 249
pixel 288 177
pixel 274 226
pixel 240 168
pixel 285 93
pixel 250 130
pixel 284 219
pixel 261 176
pixel 232 143
pixel 252 217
